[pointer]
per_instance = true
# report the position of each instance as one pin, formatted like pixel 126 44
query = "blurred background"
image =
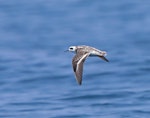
pixel 36 76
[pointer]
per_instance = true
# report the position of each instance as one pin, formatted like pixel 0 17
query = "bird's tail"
pixel 102 56
pixel 103 53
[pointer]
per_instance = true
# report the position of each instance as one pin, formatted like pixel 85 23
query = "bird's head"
pixel 72 48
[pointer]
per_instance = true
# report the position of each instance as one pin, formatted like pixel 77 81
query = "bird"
pixel 82 52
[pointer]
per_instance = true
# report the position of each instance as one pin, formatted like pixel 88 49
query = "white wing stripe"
pixel 84 56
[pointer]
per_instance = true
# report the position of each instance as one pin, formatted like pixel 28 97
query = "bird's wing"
pixel 77 63
pixel 104 58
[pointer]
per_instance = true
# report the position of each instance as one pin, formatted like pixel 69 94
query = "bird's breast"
pixel 94 53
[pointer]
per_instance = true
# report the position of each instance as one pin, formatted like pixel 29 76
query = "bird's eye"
pixel 71 48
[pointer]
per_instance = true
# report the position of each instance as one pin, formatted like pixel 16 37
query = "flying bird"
pixel 82 52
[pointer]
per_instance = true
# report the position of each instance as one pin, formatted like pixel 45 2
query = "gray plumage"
pixel 82 52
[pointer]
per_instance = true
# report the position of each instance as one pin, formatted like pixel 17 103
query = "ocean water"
pixel 36 76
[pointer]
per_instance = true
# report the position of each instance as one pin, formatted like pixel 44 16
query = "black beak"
pixel 66 50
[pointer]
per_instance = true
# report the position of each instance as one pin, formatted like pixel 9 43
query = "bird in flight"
pixel 82 52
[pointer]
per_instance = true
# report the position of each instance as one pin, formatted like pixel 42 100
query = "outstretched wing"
pixel 104 58
pixel 77 63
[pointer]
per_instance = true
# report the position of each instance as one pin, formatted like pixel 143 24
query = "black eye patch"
pixel 71 48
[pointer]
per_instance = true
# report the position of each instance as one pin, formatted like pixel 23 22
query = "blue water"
pixel 36 76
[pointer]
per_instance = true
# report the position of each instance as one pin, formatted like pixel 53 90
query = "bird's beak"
pixel 66 50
